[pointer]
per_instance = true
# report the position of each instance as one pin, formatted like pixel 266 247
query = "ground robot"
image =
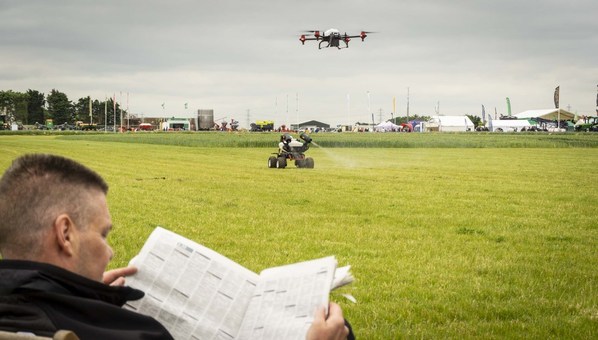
pixel 291 149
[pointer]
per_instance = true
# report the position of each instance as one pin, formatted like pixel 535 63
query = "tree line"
pixel 33 108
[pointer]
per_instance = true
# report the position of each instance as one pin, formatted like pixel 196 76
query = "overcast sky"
pixel 244 58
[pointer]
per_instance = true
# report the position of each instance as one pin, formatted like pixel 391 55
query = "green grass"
pixel 475 239
pixel 339 140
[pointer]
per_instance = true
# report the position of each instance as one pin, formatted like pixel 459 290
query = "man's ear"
pixel 64 231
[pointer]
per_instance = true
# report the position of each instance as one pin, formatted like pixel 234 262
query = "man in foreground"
pixel 53 239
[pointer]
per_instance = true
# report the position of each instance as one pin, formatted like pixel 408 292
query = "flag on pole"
pixel 557 91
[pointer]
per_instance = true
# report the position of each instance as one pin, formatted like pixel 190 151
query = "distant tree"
pixel 21 115
pixel 7 105
pixel 97 109
pixel 100 111
pixel 82 109
pixel 35 107
pixel 111 116
pixel 477 121
pixel 60 109
pixel 405 119
pixel 14 105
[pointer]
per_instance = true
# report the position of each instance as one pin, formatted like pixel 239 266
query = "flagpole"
pixel 557 95
pixel 90 117
pixel 558 123
pixel 114 101
pixel 105 113
pixel 128 115
pixel 121 112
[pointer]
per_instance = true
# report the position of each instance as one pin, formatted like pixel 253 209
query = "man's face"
pixel 93 251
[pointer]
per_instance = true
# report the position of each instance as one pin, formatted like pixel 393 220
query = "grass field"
pixel 449 235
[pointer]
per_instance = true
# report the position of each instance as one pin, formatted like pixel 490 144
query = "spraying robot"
pixel 291 149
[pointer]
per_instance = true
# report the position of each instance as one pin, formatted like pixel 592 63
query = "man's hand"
pixel 116 277
pixel 332 327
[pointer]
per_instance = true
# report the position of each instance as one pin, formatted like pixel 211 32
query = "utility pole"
pixel 380 119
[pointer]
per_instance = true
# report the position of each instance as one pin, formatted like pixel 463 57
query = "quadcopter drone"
pixel 331 38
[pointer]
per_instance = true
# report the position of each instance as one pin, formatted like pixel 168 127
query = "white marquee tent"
pixel 508 125
pixel 550 114
pixel 451 123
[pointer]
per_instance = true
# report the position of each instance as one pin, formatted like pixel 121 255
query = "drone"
pixel 331 38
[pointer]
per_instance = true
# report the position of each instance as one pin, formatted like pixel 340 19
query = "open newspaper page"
pixel 286 299
pixel 193 291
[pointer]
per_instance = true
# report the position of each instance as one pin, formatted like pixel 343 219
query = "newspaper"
pixel 197 293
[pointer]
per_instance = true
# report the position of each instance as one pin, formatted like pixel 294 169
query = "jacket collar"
pixel 18 276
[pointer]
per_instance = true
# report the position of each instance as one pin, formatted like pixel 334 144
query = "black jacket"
pixel 42 298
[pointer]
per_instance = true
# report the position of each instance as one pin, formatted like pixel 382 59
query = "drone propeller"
pixel 316 33
pixel 364 34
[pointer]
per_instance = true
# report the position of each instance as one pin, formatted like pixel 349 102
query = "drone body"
pixel 331 38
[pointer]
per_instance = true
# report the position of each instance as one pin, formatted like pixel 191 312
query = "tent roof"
pixel 551 114
pixel 452 120
pixel 387 126
pixel 314 123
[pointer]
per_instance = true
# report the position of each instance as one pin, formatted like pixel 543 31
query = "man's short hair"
pixel 37 188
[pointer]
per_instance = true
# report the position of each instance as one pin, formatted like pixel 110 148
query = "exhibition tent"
pixel 550 114
pixel 451 123
pixel 497 125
